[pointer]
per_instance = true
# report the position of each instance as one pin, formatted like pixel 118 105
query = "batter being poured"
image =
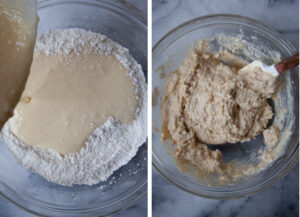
pixel 17 37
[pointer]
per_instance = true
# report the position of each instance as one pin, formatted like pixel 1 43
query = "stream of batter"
pixel 17 38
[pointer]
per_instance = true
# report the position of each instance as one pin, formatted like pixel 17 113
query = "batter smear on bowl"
pixel 83 112
pixel 208 102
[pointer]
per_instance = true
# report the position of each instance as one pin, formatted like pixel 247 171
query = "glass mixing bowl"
pixel 170 52
pixel 127 26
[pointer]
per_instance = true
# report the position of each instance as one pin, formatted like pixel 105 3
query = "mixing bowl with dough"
pixel 247 40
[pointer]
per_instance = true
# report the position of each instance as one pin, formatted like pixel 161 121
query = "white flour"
pixel 111 145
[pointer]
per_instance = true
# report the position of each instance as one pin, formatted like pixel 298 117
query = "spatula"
pixel 277 68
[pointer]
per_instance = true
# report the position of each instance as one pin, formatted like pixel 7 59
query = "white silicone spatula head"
pixel 276 68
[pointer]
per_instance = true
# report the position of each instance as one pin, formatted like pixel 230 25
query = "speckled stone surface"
pixel 282 199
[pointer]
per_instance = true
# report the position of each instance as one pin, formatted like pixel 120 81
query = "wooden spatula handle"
pixel 288 63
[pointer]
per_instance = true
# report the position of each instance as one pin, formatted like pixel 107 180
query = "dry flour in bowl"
pixel 110 144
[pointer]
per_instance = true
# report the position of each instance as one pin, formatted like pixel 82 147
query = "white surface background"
pixel 281 200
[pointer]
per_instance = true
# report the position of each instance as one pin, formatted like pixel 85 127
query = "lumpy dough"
pixel 271 136
pixel 208 102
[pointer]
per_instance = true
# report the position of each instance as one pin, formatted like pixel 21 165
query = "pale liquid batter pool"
pixel 68 96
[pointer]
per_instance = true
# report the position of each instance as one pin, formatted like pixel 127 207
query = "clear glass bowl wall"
pixel 171 50
pixel 127 26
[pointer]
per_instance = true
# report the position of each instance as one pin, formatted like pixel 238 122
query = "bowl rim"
pixel 142 189
pixel 116 3
pixel 223 16
pixel 276 177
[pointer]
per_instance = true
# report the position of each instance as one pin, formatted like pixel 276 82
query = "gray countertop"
pixel 282 198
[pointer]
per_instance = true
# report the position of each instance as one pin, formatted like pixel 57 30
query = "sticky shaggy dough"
pixel 271 136
pixel 208 102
